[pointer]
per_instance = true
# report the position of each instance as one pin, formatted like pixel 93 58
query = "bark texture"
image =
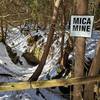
pixel 81 7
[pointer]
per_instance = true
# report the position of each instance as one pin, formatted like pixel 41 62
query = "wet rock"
pixel 30 58
pixel 12 55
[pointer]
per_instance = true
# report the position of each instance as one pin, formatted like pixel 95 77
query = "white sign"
pixel 81 26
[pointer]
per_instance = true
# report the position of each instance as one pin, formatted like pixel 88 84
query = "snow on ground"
pixel 18 42
pixel 91 44
pixel 8 65
pixel 10 72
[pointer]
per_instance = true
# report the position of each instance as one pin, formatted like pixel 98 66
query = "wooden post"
pixel 81 8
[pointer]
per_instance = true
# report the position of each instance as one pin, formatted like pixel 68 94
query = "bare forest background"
pixel 54 16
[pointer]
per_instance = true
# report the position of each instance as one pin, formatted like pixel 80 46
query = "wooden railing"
pixel 13 86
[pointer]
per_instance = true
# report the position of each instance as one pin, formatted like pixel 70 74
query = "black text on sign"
pixel 81 26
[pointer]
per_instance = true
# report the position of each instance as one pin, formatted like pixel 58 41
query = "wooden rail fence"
pixel 13 86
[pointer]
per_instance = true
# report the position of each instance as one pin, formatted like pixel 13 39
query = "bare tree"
pixel 39 69
pixel 81 7
pixel 63 23
pixel 2 32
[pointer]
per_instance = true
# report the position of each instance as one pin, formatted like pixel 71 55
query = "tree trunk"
pixel 79 66
pixel 94 70
pixel 81 8
pixel 2 32
pixel 39 69
pixel 63 23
